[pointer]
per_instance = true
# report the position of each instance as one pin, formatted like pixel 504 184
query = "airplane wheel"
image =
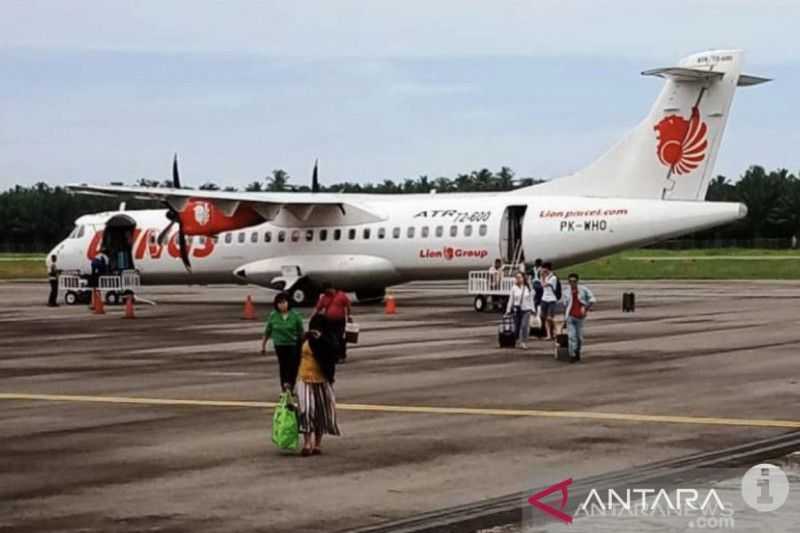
pixel 112 298
pixel 479 303
pixel 303 295
pixel 71 298
pixel 371 295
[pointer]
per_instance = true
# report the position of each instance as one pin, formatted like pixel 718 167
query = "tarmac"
pixel 162 423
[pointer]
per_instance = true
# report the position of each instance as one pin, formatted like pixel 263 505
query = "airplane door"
pixel 511 234
pixel 118 239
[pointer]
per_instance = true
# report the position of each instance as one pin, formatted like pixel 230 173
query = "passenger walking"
pixel 536 285
pixel 578 300
pixel 551 294
pixel 285 327
pixel 52 278
pixel 520 306
pixel 315 388
pixel 336 307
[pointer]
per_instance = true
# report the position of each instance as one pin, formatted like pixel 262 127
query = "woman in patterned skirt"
pixel 315 385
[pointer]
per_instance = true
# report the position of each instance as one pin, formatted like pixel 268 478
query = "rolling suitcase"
pixel 505 332
pixel 561 348
pixel 628 302
pixel 561 353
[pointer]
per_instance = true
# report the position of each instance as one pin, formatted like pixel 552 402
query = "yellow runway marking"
pixel 584 415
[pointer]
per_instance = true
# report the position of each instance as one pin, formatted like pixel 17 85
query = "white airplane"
pixel 648 187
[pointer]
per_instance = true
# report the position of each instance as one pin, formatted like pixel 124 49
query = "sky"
pixel 102 91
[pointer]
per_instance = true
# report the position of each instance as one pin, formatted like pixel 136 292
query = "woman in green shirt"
pixel 285 327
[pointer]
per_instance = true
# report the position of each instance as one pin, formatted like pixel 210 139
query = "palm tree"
pixel 278 181
pixel 483 179
pixel 505 179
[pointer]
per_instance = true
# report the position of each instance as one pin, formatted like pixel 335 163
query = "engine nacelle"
pixel 203 217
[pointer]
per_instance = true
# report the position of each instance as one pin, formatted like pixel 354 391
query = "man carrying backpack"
pixel 551 295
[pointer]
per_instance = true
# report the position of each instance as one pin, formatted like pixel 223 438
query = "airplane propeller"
pixel 174 217
pixel 315 177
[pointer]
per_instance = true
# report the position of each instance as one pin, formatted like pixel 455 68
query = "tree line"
pixel 33 219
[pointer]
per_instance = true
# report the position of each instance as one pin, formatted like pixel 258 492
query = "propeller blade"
pixel 315 177
pixel 176 179
pixel 183 248
pixel 162 237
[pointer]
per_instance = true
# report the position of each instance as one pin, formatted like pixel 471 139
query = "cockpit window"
pixel 81 230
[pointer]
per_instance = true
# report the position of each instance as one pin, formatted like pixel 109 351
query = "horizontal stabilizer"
pixel 684 74
pixel 746 80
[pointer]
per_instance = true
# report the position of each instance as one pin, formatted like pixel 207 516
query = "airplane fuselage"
pixel 422 237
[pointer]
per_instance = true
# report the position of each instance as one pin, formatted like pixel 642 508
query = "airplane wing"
pixel 289 209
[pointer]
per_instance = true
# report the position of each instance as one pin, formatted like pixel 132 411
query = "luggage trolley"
pixel 75 287
pixel 488 286
pixel 113 287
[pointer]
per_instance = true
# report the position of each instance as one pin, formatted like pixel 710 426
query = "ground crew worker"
pixel 285 327
pixel 578 300
pixel 52 277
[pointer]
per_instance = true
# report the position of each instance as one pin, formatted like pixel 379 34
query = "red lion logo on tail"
pixel 682 143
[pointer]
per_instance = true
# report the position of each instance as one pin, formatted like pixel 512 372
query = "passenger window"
pixel 366 233
pixel 254 237
pixel 242 237
pixel 396 233
pixel 453 231
pixel 323 235
pixel 351 234
pixel 281 236
pixel 425 232
pixel 152 238
pixel 381 233
pixel 201 240
pixel 468 230
pixel 482 230
pixel 439 231
pixel 268 236
pixel 295 235
pixel 228 238
pixel 410 232
pixel 309 235
pixel 337 234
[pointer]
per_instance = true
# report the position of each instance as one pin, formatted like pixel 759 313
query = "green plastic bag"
pixel 285 428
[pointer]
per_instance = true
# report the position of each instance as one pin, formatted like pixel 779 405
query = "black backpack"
pixel 557 290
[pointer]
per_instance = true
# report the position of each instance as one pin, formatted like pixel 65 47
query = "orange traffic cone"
pixel 99 306
pixel 390 307
pixel 249 310
pixel 129 308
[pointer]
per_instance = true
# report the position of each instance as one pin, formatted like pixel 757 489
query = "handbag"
pixel 285 427
pixel 351 331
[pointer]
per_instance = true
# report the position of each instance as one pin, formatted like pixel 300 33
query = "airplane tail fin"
pixel 670 155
